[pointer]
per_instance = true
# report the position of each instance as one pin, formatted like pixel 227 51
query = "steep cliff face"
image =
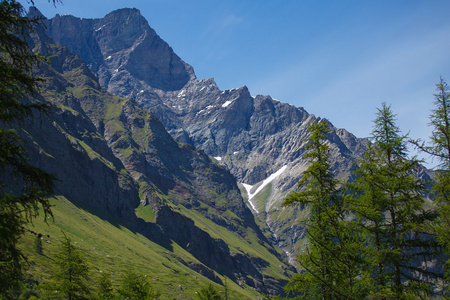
pixel 109 153
pixel 259 139
pixel 122 45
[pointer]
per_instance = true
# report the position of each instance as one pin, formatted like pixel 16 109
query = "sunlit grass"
pixel 110 247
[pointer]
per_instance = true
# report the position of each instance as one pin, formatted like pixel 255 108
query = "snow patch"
pixel 181 94
pixel 202 88
pixel 218 158
pixel 109 57
pixel 205 109
pixel 266 182
pixel 248 188
pixel 227 103
pixel 98 29
pixel 262 186
pixel 235 152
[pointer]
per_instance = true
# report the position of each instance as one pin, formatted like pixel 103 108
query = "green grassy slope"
pixel 109 247
pixel 108 153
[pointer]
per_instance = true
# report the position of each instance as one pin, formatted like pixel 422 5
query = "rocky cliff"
pixel 111 154
pixel 259 139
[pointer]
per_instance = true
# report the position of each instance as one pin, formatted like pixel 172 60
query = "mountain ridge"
pixel 109 153
pixel 253 137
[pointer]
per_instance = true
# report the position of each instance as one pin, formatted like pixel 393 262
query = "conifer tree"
pixel 70 281
pixel 389 209
pixel 226 294
pixel 105 290
pixel 137 287
pixel 208 293
pixel 440 149
pixel 24 188
pixel 37 244
pixel 330 268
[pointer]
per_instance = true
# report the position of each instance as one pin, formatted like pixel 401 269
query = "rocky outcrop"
pixel 216 254
pixel 259 139
pixel 119 46
pixel 66 144
pixel 110 154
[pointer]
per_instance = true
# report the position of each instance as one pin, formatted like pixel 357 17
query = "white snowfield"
pixel 266 181
pixel 227 103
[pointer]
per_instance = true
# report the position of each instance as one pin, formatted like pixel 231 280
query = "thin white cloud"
pixel 332 83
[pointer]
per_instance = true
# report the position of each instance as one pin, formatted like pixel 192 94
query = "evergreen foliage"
pixel 208 293
pixel 387 200
pixel 440 148
pixel 70 281
pixel 136 287
pixel 374 240
pixel 38 245
pixel 24 188
pixel 330 270
pixel 105 290
pixel 226 294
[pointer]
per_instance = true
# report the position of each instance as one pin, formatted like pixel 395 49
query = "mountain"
pixel 258 139
pixel 113 158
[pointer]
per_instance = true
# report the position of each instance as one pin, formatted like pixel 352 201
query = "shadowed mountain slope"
pixel 259 139
pixel 110 154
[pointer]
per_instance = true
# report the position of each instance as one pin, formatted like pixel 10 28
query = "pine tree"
pixel 330 268
pixel 105 290
pixel 226 294
pixel 38 245
pixel 208 293
pixel 136 287
pixel 389 209
pixel 364 201
pixel 25 188
pixel 70 281
pixel 440 149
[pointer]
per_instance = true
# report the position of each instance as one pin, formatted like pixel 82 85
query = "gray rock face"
pixel 120 46
pixel 259 139
pixel 64 146
pixel 110 153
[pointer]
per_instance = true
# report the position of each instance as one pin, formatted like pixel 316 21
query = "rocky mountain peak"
pixel 113 156
pixel 260 140
pixel 120 46
pixel 126 12
pixel 34 13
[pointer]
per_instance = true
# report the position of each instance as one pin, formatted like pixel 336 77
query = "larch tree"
pixel 439 148
pixel 208 293
pixel 329 262
pixel 105 290
pixel 137 287
pixel 387 202
pixel 70 280
pixel 24 189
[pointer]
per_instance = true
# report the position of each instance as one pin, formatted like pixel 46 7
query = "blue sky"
pixel 338 59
